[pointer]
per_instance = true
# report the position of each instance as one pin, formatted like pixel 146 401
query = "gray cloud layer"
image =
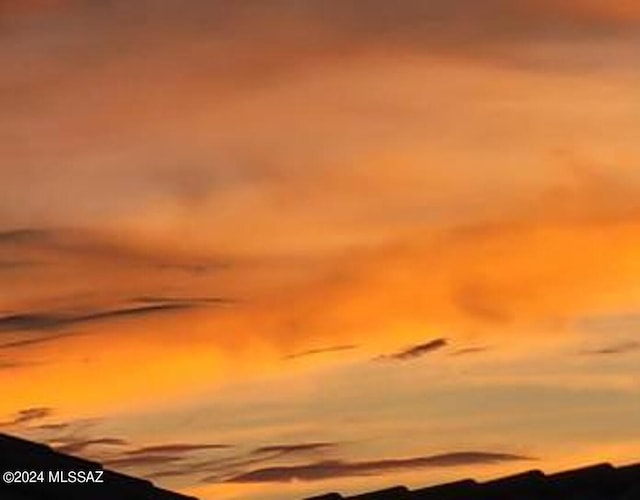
pixel 97 69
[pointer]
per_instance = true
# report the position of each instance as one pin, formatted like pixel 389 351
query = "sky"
pixel 269 249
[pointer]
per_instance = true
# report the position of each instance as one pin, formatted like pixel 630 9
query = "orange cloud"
pixel 537 266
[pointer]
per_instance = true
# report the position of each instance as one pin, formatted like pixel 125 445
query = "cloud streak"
pixel 41 339
pixel 621 348
pixel 52 321
pixel 469 350
pixel 322 350
pixel 335 469
pixel 416 351
pixel 224 467
pixel 142 461
pixel 28 416
pixel 177 448
pixel 81 445
pixel 24 236
pixel 293 449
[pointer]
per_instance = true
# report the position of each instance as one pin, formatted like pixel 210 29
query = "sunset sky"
pixel 268 249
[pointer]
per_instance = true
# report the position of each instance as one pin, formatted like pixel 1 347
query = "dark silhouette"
pixel 598 482
pixel 416 351
pixel 27 459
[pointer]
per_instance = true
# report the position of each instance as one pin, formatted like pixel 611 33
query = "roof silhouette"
pixel 20 455
pixel 597 482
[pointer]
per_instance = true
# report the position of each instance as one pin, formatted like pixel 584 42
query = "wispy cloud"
pixel 184 458
pixel 142 461
pixel 81 445
pixel 322 350
pixel 24 236
pixel 161 299
pixel 88 246
pixel 80 437
pixel 178 448
pixel 58 426
pixel 11 365
pixel 53 321
pixel 621 348
pixel 40 339
pixel 291 449
pixel 416 351
pixel 336 469
pixel 27 416
pixel 224 467
pixel 470 350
